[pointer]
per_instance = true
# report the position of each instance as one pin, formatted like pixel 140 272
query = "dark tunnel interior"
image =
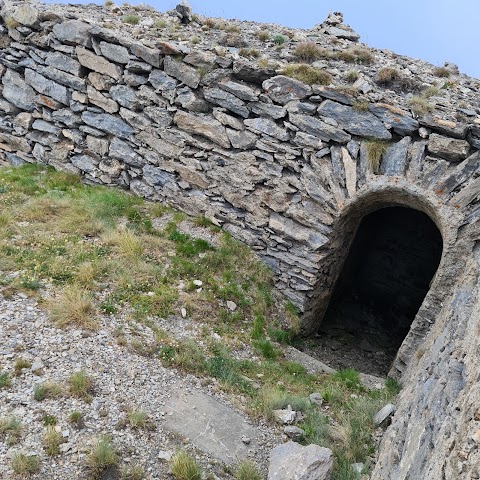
pixel 392 260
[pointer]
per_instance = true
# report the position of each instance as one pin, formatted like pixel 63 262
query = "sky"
pixel 433 30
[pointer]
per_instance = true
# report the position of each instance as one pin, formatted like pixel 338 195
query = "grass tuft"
pixel 102 456
pixel 308 52
pixel 46 390
pixel 247 471
pixel 10 430
pixel 442 72
pixel 25 465
pixel 73 307
pixel 131 19
pixel 80 385
pixel 52 441
pixel 307 74
pixel 184 467
pixel 375 151
pixel 4 380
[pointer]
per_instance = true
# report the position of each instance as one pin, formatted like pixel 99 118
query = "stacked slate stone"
pixel 269 158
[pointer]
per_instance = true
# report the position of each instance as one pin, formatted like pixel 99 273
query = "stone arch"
pixel 445 200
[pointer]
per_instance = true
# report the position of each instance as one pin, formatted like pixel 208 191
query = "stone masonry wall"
pixel 282 165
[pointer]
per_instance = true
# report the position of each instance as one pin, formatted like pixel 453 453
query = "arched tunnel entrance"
pixel 386 275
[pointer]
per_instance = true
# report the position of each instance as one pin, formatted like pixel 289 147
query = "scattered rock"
pixel 285 416
pixel 383 416
pixel 294 432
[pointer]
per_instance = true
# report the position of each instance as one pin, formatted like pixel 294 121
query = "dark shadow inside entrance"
pixel 392 260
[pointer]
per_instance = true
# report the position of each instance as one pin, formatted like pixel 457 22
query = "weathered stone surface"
pixel 202 125
pixel 73 32
pixel 401 121
pixel 364 124
pixel 123 151
pixel 163 83
pixel 25 15
pixel 150 55
pixel 44 126
pixel 447 127
pixel 16 91
pixel 200 59
pixel 292 461
pixel 161 146
pixel 108 123
pixel 268 127
pixel 159 115
pixel 226 100
pixel 394 161
pixel 186 74
pixel 97 145
pixel 332 94
pixel 283 89
pixel 284 416
pixel 268 110
pixel 294 230
pixel 115 53
pixel 63 78
pixel 100 82
pixel 241 139
pixel 448 148
pixel 244 92
pixel 228 120
pixel 47 87
pixel 84 163
pixel 343 33
pixel 249 72
pixel 156 176
pixel 126 97
pixel 19 144
pixel 63 62
pixel 318 128
pixel 100 100
pixel 384 414
pixel 188 100
pixel 97 63
pixel 291 431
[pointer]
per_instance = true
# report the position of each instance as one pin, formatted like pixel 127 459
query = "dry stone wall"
pixel 284 166
pixel 271 159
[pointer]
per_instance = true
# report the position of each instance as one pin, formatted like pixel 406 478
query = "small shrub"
pixel 420 105
pixel 266 348
pixel 102 456
pixel 10 430
pixel 232 29
pixel 442 72
pixel 352 76
pixel 73 307
pixel 308 52
pixel 76 419
pixel 21 364
pixel 387 75
pixel 25 465
pixel 184 467
pixel 80 385
pixel 131 19
pixel 249 53
pixel 361 105
pixel 263 35
pixel 363 56
pixel 46 390
pixel 138 419
pixel 428 92
pixel 195 40
pixel 108 3
pixel 49 420
pixel 52 441
pixel 4 380
pixel 210 23
pixel 279 39
pixel 307 74
pixel 375 151
pixel 134 472
pixel 247 471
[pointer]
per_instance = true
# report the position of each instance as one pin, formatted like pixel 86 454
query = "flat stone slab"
pixel 311 364
pixel 210 425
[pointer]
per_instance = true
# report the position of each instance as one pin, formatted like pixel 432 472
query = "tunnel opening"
pixel 385 277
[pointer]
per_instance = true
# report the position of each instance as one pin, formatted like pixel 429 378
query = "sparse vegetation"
pixel 21 364
pixel 263 35
pixel 52 441
pixel 134 472
pixel 308 52
pixel 139 419
pixel 46 390
pixel 102 456
pixel 108 3
pixel 10 430
pixel 375 151
pixel 307 74
pixel 131 19
pixel 279 39
pixel 184 467
pixel 73 307
pixel 442 72
pixel 247 471
pixel 387 75
pixel 80 385
pixel 352 76
pixel 419 105
pixel 25 465
pixel 4 380
pixel 249 52
pixel 361 105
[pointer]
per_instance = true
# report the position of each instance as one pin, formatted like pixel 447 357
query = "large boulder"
pixel 292 461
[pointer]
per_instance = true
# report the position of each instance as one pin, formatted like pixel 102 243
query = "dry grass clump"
pixel 134 472
pixel 21 364
pixel 351 76
pixel 247 471
pixel 10 430
pixel 375 151
pixel 184 467
pixel 387 75
pixel 442 72
pixel 45 390
pixel 52 441
pixel 131 19
pixel 249 53
pixel 80 385
pixel 10 23
pixel 361 105
pixel 73 307
pixel 309 52
pixel 307 74
pixel 25 465
pixel 102 456
pixel 139 419
pixel 263 35
pixel 420 106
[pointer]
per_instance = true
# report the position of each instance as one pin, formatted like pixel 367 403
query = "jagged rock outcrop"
pixel 283 165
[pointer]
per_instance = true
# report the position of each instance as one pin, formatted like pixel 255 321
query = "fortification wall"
pixel 284 166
